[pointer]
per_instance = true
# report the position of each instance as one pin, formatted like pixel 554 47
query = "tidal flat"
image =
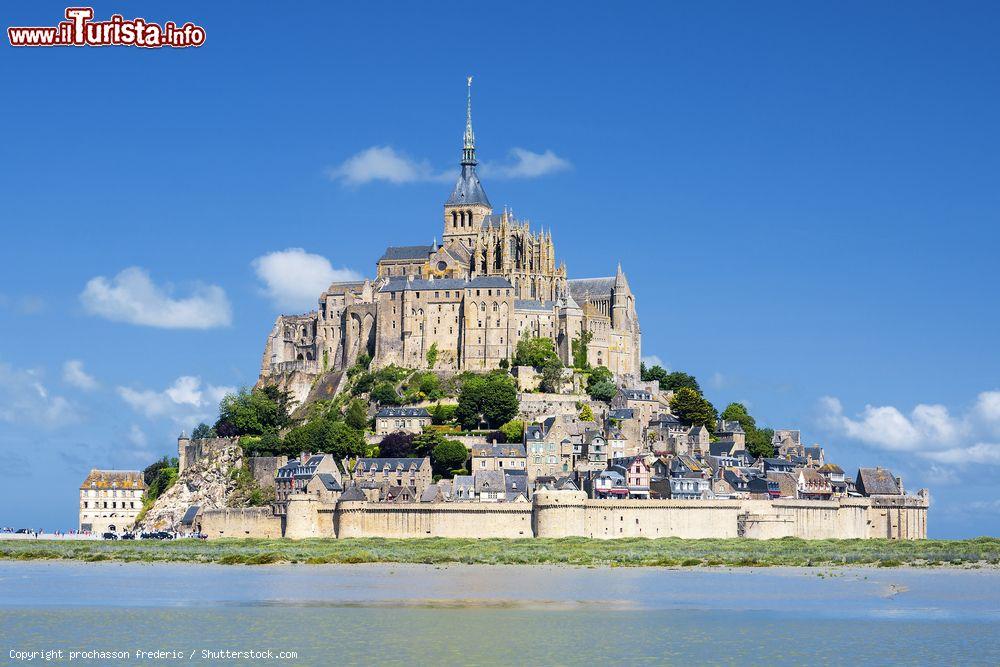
pixel 503 614
pixel 581 552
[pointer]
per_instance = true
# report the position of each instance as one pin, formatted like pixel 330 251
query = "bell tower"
pixel 468 205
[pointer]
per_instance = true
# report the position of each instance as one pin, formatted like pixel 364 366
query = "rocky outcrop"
pixel 206 483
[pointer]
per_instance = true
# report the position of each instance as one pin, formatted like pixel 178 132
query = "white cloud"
pixel 294 278
pixel 186 401
pixel 74 375
pixel 526 164
pixel 653 360
pixel 24 399
pixel 132 297
pixel 929 430
pixel 137 436
pixel 988 408
pixel 383 163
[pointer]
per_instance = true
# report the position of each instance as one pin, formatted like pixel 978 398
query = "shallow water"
pixel 479 615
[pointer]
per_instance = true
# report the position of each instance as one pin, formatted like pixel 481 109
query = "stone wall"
pixel 264 469
pixel 247 522
pixel 555 514
pixel 191 452
pixel 469 520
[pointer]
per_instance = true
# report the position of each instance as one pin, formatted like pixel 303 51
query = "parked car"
pixel 128 536
pixel 110 536
pixel 24 531
pixel 164 535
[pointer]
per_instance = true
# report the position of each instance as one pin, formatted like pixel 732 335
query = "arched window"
pixel 454 219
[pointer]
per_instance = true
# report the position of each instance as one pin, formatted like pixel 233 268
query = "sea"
pixel 383 614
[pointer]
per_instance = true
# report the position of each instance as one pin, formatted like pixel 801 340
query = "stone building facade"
pixel 490 281
pixel 110 500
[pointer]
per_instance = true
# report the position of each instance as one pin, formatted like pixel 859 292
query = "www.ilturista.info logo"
pixel 81 30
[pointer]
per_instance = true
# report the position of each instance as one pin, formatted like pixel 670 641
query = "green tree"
pixel 443 414
pixel 513 430
pixel 491 399
pixel 396 445
pixel 655 374
pixel 323 435
pixel 432 355
pixel 448 456
pixel 599 374
pixel 357 415
pixel 604 390
pixel 552 377
pixel 738 412
pixel 535 351
pixel 692 408
pixel 758 439
pixel 424 443
pixel 579 346
pixel 759 442
pixel 384 393
pixel 679 380
pixel 586 414
pixel 252 412
pixel 202 431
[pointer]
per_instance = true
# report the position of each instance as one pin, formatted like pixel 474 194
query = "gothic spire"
pixel 469 143
pixel 468 189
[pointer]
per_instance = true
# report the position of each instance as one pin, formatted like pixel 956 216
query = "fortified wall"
pixel 555 514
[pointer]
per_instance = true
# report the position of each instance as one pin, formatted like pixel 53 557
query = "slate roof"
pixel 515 484
pixel 393 463
pixel 814 452
pixel 329 482
pixel 468 189
pixel 533 304
pixel 404 252
pixel 462 483
pixel 587 289
pixel 493 480
pixel 431 494
pixel 510 450
pixel 877 482
pixel 114 479
pixel 402 284
pixel 730 426
pixel 353 493
pixel 622 413
pixel 636 395
pixel 403 412
pixel 190 515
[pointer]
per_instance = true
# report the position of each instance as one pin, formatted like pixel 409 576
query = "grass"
pixel 664 552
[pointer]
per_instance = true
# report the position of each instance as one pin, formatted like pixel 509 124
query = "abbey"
pixel 464 302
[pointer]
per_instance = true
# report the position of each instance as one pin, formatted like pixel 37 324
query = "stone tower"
pixel 468 205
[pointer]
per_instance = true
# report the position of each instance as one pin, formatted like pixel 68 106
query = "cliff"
pixel 208 482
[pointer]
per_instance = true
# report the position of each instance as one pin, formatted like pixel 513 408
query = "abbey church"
pixel 491 281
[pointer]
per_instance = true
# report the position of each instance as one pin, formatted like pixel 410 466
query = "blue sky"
pixel 805 201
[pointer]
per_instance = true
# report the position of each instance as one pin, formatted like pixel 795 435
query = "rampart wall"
pixel 256 522
pixel 555 514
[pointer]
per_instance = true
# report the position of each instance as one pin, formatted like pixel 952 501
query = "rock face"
pixel 206 483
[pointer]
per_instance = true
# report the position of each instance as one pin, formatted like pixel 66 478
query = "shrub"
pixel 448 455
pixel 385 394
pixel 535 351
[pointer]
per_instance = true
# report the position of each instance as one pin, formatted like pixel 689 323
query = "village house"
pixel 811 485
pixel 385 473
pixel 110 500
pixel 509 456
pixel 294 476
pixel 878 481
pixel 835 475
pixel 543 454
pixel 636 473
pixel 408 420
